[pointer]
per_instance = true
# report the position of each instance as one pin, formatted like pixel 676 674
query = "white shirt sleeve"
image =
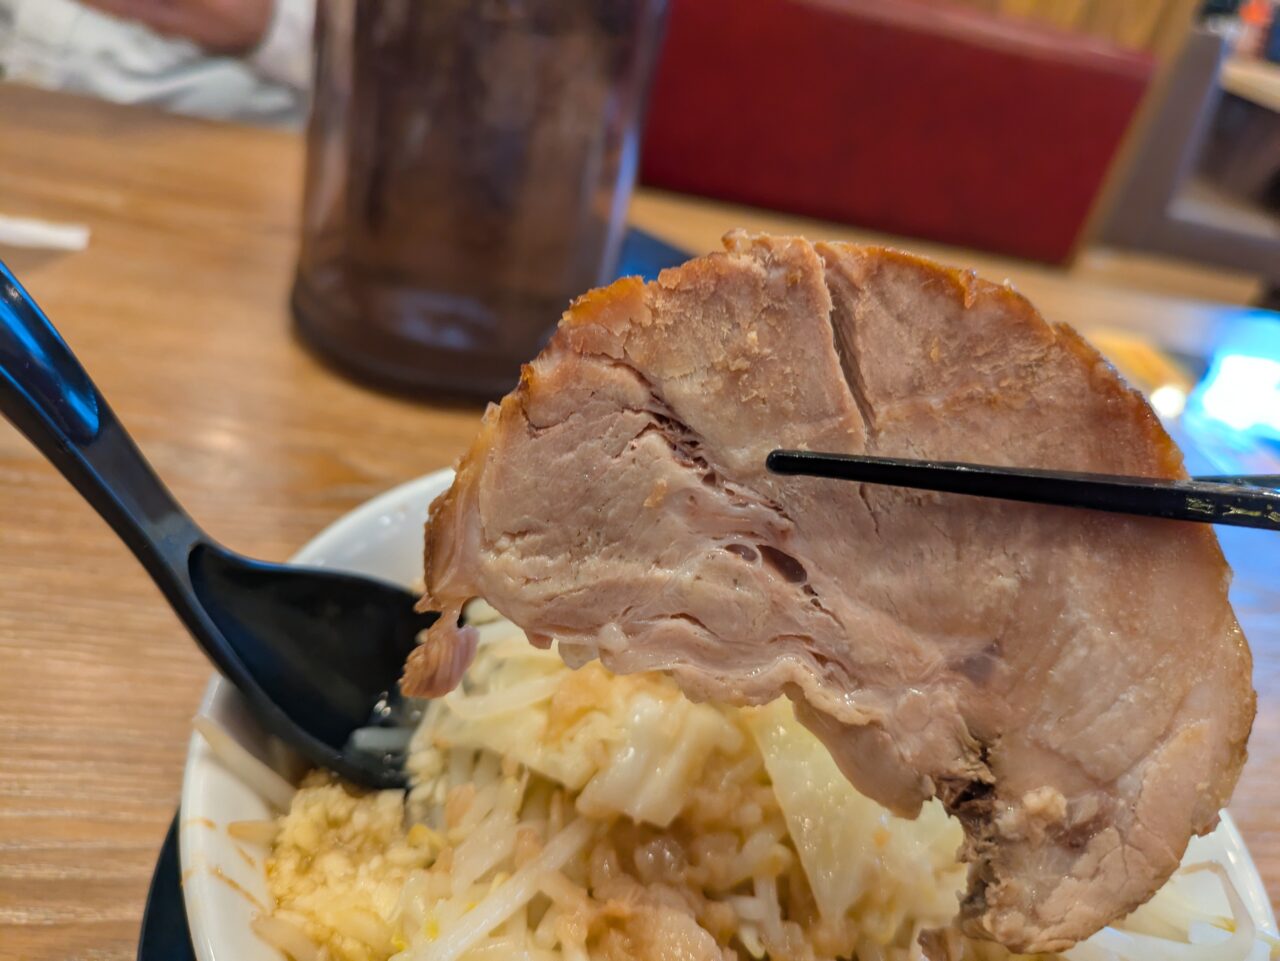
pixel 63 45
pixel 285 52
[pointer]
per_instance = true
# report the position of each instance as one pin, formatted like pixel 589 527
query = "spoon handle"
pixel 48 396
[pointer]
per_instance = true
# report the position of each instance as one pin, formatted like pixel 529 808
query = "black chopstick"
pixel 1205 501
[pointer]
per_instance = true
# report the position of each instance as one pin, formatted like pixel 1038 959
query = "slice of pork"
pixel 1073 685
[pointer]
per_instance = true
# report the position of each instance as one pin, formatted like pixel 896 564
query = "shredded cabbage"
pixel 572 815
pixel 852 849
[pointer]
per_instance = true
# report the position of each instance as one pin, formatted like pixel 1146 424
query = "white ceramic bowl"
pixel 224 880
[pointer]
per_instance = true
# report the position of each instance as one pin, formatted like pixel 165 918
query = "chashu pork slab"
pixel 1073 685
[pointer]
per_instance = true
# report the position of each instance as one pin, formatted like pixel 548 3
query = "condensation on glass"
pixel 469 167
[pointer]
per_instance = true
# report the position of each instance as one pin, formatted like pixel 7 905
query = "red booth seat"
pixel 911 117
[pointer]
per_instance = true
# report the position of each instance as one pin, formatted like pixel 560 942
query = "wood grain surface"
pixel 178 309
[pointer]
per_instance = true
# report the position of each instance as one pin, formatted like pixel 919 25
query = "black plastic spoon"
pixel 317 653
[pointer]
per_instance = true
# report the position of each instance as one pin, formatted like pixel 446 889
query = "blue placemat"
pixel 645 255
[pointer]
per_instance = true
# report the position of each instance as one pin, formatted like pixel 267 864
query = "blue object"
pixel 1240 394
pixel 644 255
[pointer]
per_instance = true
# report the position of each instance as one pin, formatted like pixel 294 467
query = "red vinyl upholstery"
pixel 906 116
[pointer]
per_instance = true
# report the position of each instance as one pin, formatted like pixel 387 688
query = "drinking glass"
pixel 469 166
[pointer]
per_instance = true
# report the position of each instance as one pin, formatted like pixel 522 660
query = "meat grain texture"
pixel 1073 685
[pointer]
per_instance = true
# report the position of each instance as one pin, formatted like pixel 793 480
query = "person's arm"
pixel 219 26
pixel 275 35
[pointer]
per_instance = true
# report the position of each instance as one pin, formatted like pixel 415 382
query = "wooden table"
pixel 178 309
pixel 1257 81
